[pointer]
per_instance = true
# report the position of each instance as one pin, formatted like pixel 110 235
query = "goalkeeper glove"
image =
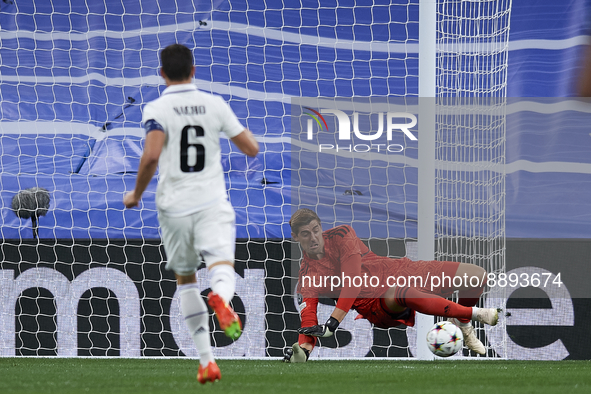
pixel 296 354
pixel 321 331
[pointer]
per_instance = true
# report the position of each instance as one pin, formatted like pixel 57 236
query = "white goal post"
pixel 468 145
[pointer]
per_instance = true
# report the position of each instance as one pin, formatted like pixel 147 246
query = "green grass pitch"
pixel 56 375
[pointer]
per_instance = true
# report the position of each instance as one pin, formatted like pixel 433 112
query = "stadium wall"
pixel 541 326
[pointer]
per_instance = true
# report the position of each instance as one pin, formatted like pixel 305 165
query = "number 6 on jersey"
pixel 192 153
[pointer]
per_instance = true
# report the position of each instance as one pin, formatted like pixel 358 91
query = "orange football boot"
pixel 229 320
pixel 211 373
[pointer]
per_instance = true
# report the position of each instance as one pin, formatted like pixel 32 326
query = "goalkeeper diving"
pixel 338 252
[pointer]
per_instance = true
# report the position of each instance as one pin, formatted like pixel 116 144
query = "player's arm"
pixel 238 134
pixel 300 351
pixel 351 268
pixel 309 317
pixel 246 142
pixel 148 165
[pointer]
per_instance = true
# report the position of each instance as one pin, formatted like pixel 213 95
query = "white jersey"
pixel 191 174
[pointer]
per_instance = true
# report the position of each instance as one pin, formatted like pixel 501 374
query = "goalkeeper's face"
pixel 310 239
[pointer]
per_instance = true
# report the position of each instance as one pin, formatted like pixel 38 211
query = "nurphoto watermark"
pixel 354 127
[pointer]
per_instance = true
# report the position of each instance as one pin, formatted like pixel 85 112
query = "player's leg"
pixel 217 246
pixel 182 259
pixel 472 284
pixel 469 280
pixel 222 279
pixel 431 300
pixel 469 292
pixel 222 292
pixel 396 299
pixel 429 293
pixel 196 317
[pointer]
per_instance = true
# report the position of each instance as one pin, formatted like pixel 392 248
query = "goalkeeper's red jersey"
pixel 345 255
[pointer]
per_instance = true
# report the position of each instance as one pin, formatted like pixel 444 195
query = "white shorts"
pixel 209 234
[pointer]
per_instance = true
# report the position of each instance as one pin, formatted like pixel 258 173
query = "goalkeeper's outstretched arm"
pixel 300 351
pixel 351 267
pixel 311 330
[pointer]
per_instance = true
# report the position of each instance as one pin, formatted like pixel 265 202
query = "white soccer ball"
pixel 445 339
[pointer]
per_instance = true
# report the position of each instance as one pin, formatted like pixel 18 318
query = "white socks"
pixel 194 310
pixel 196 317
pixel 475 312
pixel 223 281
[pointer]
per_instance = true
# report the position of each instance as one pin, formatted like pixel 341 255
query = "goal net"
pixel 473 38
pixel 74 78
pixel 351 181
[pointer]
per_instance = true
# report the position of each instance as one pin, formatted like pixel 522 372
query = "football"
pixel 445 339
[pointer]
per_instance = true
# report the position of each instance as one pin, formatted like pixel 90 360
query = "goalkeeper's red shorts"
pixel 376 312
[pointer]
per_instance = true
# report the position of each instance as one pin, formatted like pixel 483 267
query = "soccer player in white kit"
pixel 182 136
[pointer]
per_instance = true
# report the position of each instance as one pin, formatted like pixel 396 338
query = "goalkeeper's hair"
pixel 302 217
pixel 177 62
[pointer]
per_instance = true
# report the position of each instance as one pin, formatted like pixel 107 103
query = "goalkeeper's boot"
pixel 229 320
pixel 211 373
pixel 488 316
pixel 470 338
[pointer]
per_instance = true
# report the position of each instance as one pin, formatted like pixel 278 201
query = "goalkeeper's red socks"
pixel 431 304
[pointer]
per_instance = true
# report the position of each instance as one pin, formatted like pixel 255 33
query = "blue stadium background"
pixel 78 75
